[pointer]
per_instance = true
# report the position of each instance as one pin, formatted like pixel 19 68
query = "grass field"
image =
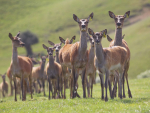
pixel 51 19
pixel 139 103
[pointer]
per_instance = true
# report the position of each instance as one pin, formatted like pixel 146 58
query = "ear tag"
pixel 90 19
pixel 73 40
pixel 104 35
pixel 127 16
pixel 54 50
pixel 47 60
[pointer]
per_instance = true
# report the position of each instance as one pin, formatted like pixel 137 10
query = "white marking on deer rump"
pixel 115 67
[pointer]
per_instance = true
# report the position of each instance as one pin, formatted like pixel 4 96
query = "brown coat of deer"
pixel 107 60
pixel 38 74
pixel 3 85
pixel 20 66
pixel 54 73
pixel 74 55
pixel 118 41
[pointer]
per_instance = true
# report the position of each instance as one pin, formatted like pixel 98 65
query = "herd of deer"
pixel 73 60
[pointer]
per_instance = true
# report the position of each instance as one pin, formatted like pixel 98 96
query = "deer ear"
pixel 104 32
pixel 51 43
pixel 111 14
pixel 127 14
pixel 90 16
pixel 60 43
pixel 62 40
pixel 76 18
pixel 10 36
pixel 45 47
pixel 123 36
pixel 90 31
pixel 108 38
pixel 72 39
pixel 18 34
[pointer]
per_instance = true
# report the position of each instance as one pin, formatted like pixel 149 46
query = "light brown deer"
pixel 74 55
pixel 107 60
pixel 4 85
pixel 20 66
pixel 119 20
pixel 38 74
pixel 54 72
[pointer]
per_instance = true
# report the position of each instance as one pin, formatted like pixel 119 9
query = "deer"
pixel 118 41
pixel 4 85
pixel 57 48
pixel 38 74
pixel 54 72
pixel 20 66
pixel 107 60
pixel 74 56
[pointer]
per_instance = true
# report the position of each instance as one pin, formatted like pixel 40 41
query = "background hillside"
pixel 49 19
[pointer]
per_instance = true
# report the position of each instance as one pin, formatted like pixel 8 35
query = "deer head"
pixel 50 50
pixel 83 23
pixel 3 76
pixel 98 35
pixel 16 40
pixel 57 47
pixel 91 40
pixel 119 19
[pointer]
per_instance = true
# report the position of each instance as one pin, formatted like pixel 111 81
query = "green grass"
pixel 50 19
pixel 139 103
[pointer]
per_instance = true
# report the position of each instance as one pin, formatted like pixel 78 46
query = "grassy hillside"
pixel 50 19
pixel 139 103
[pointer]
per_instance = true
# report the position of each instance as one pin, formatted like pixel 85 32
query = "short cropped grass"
pixel 140 102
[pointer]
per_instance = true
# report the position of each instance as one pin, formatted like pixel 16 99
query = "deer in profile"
pixel 20 66
pixel 107 60
pixel 54 72
pixel 38 73
pixel 74 56
pixel 118 41
pixel 4 85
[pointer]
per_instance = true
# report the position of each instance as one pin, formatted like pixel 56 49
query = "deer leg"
pixel 43 84
pixel 120 83
pixel 49 88
pixel 124 96
pixel 106 83
pixel 22 82
pixel 102 85
pixel 109 83
pixel 39 84
pixel 25 89
pixel 114 88
pixel 129 92
pixel 83 82
pixel 58 87
pixel 64 88
pixel 15 88
pixel 11 86
pixel 30 84
pixel 74 82
pixel 88 86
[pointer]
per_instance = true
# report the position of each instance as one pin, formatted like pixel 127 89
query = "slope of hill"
pixel 51 19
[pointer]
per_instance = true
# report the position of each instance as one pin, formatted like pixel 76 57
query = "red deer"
pixel 4 85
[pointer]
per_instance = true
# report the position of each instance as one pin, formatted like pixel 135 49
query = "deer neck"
pixel 57 57
pixel 42 67
pixel 91 54
pixel 51 62
pixel 15 56
pixel 99 54
pixel 4 81
pixel 118 37
pixel 83 44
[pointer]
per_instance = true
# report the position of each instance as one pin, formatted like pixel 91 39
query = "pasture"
pixel 49 19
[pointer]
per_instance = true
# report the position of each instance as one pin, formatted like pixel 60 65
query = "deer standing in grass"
pixel 38 74
pixel 20 66
pixel 4 85
pixel 66 72
pixel 107 60
pixel 74 56
pixel 118 41
pixel 54 72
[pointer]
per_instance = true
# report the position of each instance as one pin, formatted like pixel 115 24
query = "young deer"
pixel 54 72
pixel 38 73
pixel 90 68
pixel 107 60
pixel 74 55
pixel 20 66
pixel 4 85
pixel 119 19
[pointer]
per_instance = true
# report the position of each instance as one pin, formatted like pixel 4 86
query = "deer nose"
pixel 118 24
pixel 83 26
